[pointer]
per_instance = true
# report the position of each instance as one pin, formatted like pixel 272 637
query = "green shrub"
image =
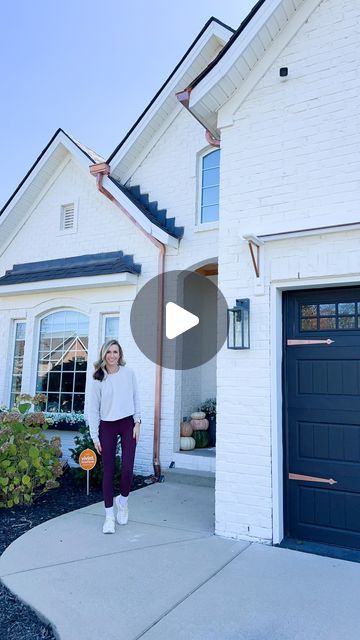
pixel 29 464
pixel 84 441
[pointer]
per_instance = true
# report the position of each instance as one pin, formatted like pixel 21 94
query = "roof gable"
pixel 38 177
pixel 70 144
pixel 205 47
pixel 268 27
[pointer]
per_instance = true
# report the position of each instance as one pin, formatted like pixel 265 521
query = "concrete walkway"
pixel 166 576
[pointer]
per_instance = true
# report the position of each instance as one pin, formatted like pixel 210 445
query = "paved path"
pixel 166 576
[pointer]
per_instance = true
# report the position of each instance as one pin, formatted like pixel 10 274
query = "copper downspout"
pixel 99 171
pixel 214 142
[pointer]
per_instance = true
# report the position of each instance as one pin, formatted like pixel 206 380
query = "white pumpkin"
pixel 198 415
pixel 187 443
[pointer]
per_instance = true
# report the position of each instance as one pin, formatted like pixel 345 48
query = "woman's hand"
pixel 98 447
pixel 136 431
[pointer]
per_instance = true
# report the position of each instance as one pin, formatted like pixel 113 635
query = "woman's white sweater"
pixel 113 398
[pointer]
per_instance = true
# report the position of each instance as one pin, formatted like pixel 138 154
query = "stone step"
pixel 190 476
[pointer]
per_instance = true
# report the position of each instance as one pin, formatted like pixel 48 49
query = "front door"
pixel 322 416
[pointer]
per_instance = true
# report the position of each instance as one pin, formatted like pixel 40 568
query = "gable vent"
pixel 67 221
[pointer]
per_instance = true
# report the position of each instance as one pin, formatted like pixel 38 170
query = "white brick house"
pixel 288 436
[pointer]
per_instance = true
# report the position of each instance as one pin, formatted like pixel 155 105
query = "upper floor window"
pixel 210 186
pixel 17 363
pixel 62 360
pixel 110 328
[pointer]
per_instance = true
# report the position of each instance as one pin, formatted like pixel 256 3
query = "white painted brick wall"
pixel 101 227
pixel 169 174
pixel 291 160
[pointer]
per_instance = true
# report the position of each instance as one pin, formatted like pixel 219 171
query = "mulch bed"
pixel 17 621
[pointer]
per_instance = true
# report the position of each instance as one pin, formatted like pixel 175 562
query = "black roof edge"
pixel 223 51
pixel 59 130
pixel 212 19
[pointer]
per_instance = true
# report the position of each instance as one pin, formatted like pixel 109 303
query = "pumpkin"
pixel 200 425
pixel 202 439
pixel 186 429
pixel 198 415
pixel 187 443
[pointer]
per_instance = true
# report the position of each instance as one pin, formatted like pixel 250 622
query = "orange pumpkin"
pixel 200 425
pixel 186 429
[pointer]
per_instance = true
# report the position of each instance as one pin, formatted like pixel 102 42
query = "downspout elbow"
pixel 184 98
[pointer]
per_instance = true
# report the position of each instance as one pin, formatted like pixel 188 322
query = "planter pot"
pixel 212 429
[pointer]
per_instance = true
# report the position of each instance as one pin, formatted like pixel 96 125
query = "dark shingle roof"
pixel 75 267
pixel 157 216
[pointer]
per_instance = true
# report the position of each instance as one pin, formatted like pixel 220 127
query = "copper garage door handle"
pixel 297 476
pixel 293 343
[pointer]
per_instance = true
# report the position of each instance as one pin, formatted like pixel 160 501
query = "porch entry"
pixel 322 415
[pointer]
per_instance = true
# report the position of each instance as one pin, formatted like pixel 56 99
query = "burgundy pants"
pixel 108 434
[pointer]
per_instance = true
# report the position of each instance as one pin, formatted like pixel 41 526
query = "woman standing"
pixel 114 410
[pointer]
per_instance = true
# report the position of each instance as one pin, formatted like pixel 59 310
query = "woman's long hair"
pixel 100 365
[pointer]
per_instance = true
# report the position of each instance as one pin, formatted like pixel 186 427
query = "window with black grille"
pixel 332 316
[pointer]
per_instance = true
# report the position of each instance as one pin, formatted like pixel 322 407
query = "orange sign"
pixel 87 459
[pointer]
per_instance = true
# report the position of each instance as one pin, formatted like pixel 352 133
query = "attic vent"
pixel 67 220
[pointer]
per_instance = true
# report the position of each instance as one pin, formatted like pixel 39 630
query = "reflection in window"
pixel 330 316
pixel 111 328
pixel 210 187
pixel 62 361
pixel 18 359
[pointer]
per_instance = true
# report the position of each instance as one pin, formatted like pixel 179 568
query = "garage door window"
pixel 330 316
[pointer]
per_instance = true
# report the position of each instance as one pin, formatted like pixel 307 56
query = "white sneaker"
pixel 122 514
pixel 109 525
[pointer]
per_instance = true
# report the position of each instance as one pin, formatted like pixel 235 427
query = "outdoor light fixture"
pixel 239 325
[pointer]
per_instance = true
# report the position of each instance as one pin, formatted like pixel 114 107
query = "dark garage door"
pixel 322 416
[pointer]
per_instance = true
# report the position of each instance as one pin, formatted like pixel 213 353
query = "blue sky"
pixel 88 67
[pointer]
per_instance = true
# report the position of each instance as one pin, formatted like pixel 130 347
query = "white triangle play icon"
pixel 178 320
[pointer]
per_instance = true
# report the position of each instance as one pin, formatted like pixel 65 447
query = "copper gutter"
pixel 99 171
pixel 184 98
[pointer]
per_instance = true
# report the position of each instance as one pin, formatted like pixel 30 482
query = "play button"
pixel 178 320
pixel 194 319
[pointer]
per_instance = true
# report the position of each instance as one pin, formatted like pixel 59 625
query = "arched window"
pixel 210 186
pixel 62 361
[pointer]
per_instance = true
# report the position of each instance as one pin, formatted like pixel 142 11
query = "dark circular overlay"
pixel 195 294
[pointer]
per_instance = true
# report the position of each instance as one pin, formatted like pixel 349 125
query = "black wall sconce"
pixel 239 325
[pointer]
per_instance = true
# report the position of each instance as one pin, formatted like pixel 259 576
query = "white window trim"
pixel 72 230
pixel 15 322
pixel 203 226
pixel 206 226
pixel 37 319
pixel 103 323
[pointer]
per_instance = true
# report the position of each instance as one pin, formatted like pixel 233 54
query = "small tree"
pixel 29 464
